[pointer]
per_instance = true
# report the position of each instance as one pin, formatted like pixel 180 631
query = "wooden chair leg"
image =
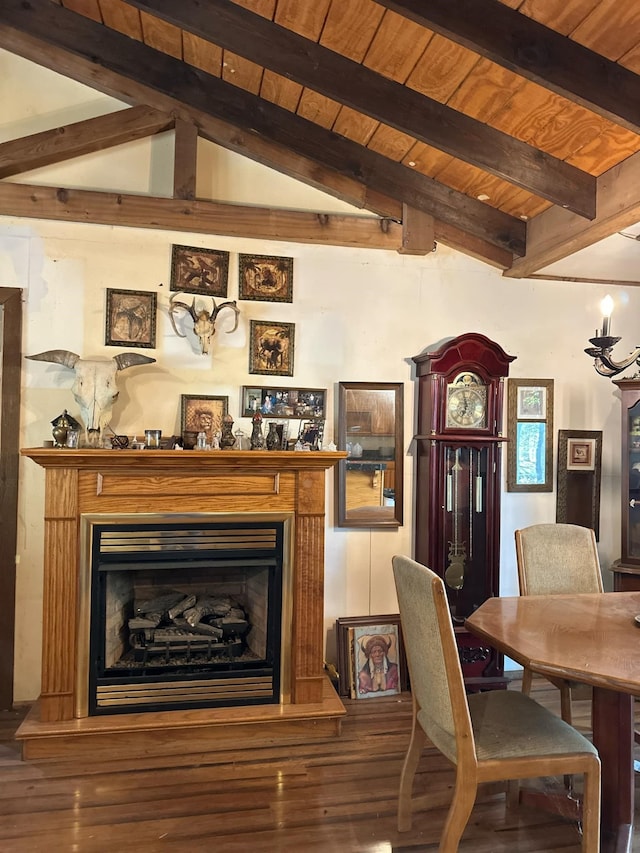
pixel 591 811
pixel 565 704
pixel 527 676
pixel 464 797
pixel 416 745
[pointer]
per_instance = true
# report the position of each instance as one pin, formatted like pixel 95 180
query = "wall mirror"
pixel 371 430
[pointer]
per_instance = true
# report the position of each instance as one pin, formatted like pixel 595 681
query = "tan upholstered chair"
pixel 493 736
pixel 555 559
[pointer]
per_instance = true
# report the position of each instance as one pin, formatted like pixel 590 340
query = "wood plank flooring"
pixel 318 797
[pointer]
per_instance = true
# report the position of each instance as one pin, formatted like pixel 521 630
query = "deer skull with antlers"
pixel 203 320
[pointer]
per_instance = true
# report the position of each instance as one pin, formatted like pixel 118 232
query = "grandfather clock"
pixel 458 484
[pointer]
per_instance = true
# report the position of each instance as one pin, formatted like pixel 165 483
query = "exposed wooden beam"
pixel 232 220
pixel 534 51
pixel 418 232
pixel 185 160
pixel 83 137
pixel 555 234
pixel 260 40
pixel 50 35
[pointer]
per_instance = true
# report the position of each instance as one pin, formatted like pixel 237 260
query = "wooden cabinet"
pixel 458 483
pixel 627 569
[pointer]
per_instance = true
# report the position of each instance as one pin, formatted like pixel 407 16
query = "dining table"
pixel 591 639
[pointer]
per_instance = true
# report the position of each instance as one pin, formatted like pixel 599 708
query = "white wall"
pixel 359 315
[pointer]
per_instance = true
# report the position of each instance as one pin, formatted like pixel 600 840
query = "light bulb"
pixel 606 306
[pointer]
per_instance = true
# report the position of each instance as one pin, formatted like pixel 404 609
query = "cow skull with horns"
pixel 203 321
pixel 94 389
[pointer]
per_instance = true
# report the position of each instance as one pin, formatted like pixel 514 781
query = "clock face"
pixel 467 402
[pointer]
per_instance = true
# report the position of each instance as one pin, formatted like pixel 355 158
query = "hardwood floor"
pixel 320 797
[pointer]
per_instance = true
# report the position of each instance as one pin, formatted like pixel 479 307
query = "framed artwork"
pixel 578 480
pixel 371 656
pixel 310 434
pixel 131 318
pixel 530 434
pixel 265 278
pixel 581 454
pixel 271 347
pixel 283 402
pixel 204 271
pixel 200 413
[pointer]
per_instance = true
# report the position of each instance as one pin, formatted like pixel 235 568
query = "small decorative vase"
pixel 227 439
pixel 273 439
pixel 257 438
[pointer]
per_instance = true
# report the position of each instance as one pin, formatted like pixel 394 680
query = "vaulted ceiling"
pixel 507 129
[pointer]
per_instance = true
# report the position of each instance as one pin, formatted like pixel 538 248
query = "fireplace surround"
pixel 218 486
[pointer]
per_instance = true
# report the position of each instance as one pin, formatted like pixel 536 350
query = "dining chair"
pixel 554 559
pixel 498 735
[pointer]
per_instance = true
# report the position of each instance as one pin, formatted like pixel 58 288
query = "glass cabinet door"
pixel 633 467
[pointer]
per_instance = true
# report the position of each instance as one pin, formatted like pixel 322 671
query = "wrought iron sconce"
pixel 604 343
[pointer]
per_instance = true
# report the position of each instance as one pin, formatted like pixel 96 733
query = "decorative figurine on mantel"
pixel 227 439
pixel 257 438
pixel 61 426
pixel 273 439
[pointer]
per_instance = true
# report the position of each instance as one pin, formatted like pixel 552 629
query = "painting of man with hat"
pixel 378 673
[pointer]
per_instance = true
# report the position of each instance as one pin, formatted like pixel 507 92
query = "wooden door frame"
pixel 10 382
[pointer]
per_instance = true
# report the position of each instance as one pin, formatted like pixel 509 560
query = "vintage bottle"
pixel 273 439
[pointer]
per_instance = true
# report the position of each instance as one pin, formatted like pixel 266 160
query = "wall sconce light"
pixel 603 344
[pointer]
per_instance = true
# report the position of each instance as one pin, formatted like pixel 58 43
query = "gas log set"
pixel 174 628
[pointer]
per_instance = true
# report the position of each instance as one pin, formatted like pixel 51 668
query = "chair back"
pixel 556 559
pixel 437 683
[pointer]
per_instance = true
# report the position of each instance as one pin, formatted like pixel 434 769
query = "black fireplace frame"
pixel 156 544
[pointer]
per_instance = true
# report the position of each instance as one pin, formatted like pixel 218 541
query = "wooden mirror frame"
pixel 370 515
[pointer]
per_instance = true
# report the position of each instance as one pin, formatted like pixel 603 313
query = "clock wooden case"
pixel 458 483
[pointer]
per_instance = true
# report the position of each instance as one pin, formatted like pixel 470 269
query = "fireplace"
pixel 183 611
pixel 92 499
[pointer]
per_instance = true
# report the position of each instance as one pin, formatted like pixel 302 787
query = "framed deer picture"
pixel 131 318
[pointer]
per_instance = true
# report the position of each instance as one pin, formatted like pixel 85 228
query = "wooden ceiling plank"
pixel 202 54
pixel 121 17
pixel 611 28
pixel 266 8
pixel 556 233
pixel 86 52
pixel 88 8
pixel 318 108
pixel 277 89
pixel 602 153
pixel 354 125
pixel 83 137
pixel 396 47
pixel 185 160
pixel 395 105
pixel 306 19
pixel 539 53
pixel 161 35
pixel 563 15
pixel 241 72
pixel 442 69
pixel 350 28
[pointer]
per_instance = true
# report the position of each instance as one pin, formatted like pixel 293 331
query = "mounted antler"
pixel 203 320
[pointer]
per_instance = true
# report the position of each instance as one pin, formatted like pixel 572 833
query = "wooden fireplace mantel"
pixel 182 481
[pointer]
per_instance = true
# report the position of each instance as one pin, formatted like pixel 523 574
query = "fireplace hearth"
pixel 92 703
